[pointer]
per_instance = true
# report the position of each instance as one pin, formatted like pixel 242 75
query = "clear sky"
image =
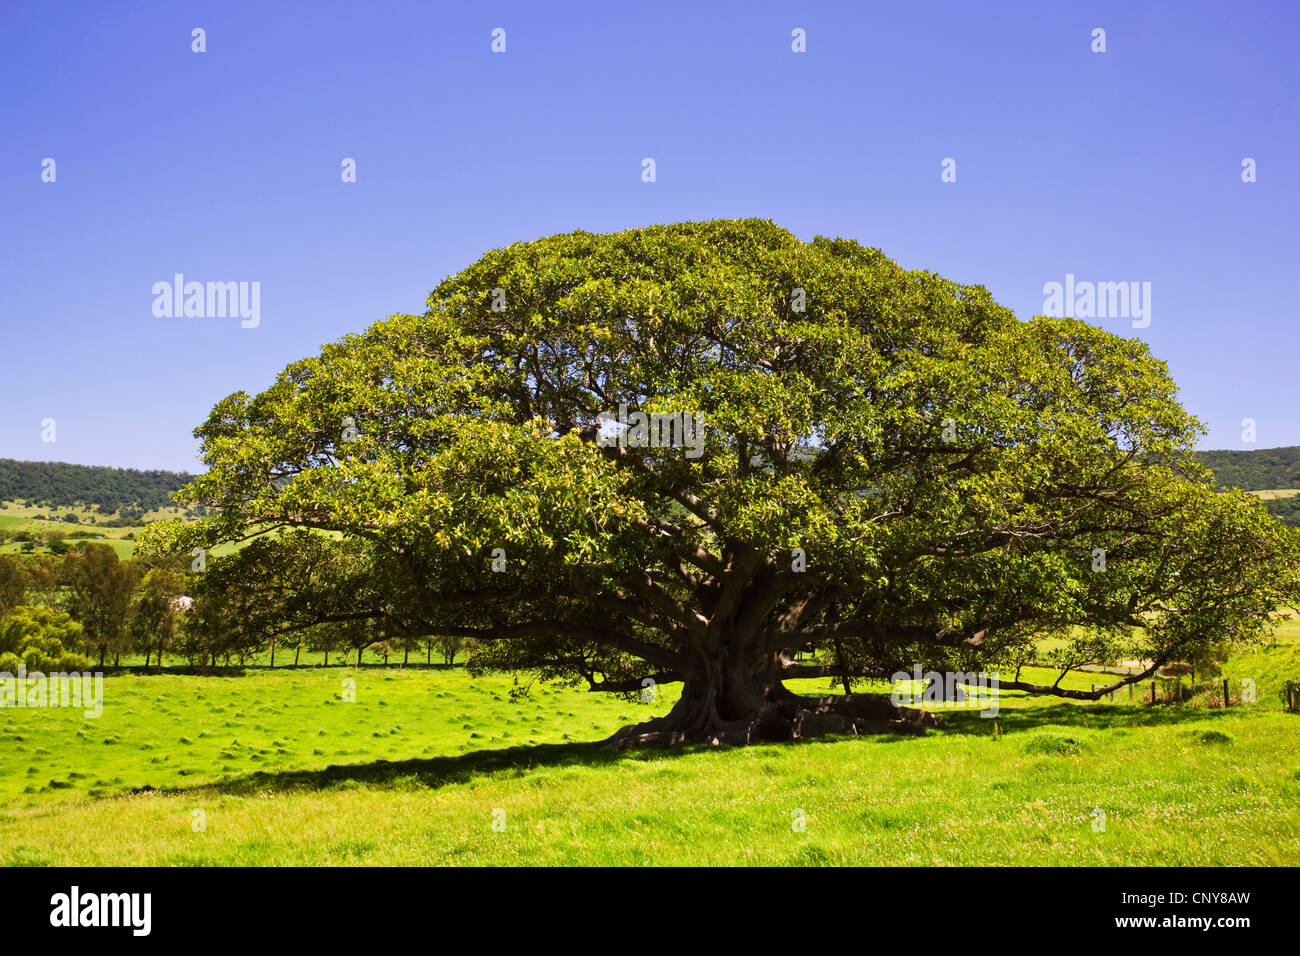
pixel 226 166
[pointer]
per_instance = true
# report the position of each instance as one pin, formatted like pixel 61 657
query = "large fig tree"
pixel 880 465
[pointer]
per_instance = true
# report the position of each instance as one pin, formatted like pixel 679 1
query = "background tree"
pixel 40 638
pixel 44 580
pixel 321 639
pixel 356 636
pixel 449 646
pixel 277 588
pixel 221 622
pixel 156 613
pixel 13 583
pixel 404 640
pixel 100 587
pixel 894 470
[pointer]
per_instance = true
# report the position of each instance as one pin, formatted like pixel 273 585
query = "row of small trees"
pixel 122 606
pixel 152 606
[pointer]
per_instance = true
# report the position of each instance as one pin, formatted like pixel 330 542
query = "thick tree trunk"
pixel 729 703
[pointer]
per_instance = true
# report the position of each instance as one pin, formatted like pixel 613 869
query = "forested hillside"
pixel 59 484
pixel 1268 469
pixel 1261 470
pixel 1286 510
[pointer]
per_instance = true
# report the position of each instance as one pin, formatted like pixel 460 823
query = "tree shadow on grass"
pixel 430 772
pixel 435 772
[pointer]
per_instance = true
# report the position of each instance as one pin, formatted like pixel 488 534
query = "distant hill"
pixel 57 484
pixel 1267 469
pixel 1261 470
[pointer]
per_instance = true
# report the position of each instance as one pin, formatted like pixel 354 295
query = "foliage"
pixel 900 473
pixel 39 638
pixel 100 588
pixel 13 583
pixel 156 613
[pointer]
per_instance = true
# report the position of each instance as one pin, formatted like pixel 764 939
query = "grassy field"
pixel 15 517
pixel 1275 494
pixel 276 767
pixel 35 519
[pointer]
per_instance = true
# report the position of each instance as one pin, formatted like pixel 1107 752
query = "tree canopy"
pixel 37 638
pixel 892 469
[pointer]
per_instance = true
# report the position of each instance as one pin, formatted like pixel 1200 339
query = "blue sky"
pixel 225 166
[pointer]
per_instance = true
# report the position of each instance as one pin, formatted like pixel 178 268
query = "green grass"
pixel 12 511
pixel 16 517
pixel 284 771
